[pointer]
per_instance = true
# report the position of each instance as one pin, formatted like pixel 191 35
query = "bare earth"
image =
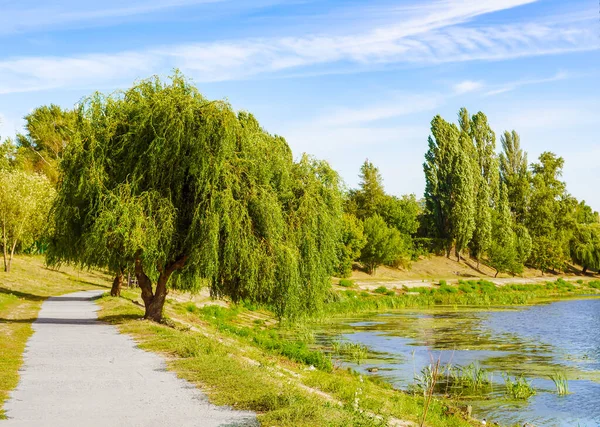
pixel 80 372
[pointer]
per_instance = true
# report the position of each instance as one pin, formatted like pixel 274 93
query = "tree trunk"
pixel 115 291
pixel 155 301
pixel 12 253
pixel 584 270
pixel 6 266
pixel 496 275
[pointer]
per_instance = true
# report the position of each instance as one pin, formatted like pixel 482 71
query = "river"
pixel 535 341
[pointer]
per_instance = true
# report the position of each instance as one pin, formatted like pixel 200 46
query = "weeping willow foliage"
pixel 161 174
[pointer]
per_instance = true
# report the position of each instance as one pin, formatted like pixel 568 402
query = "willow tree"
pixel 192 193
pixel 585 246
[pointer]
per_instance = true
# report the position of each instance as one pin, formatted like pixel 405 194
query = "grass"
pixel 518 388
pixel 561 383
pixel 22 292
pixel 467 293
pixel 346 283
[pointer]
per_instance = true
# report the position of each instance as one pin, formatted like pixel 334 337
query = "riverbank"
pixel 349 298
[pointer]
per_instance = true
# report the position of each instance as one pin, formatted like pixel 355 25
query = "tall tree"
pixel 449 188
pixel 187 189
pixel 486 178
pixel 551 214
pixel 503 253
pixel 367 200
pixel 25 200
pixel 514 173
pixel 49 130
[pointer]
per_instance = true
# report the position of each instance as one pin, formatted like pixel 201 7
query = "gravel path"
pixel 80 372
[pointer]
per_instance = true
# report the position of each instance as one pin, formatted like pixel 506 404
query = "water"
pixel 533 341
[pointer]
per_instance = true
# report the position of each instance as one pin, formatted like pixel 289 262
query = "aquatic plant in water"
pixel 561 383
pixel 354 351
pixel 518 388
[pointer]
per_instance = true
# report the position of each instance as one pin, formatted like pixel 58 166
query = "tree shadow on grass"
pixel 119 318
pixel 23 295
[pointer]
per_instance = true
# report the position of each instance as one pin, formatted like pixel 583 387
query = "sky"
pixel 343 80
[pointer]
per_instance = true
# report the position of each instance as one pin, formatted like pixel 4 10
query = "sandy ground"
pixel 80 372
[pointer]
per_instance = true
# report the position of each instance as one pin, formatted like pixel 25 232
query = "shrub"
pixel 346 283
pixel 390 293
pixel 381 290
pixel 443 283
pixel 447 289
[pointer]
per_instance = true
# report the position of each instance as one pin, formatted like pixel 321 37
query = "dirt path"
pixel 80 372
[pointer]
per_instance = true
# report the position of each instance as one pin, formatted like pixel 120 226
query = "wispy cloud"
pixel 510 86
pixel 438 32
pixel 28 15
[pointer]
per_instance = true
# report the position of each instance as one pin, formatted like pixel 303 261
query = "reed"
pixel 561 383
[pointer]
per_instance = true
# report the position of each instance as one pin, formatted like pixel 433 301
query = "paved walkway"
pixel 80 372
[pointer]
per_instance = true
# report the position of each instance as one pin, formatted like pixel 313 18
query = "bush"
pixel 381 290
pixel 443 283
pixel 390 293
pixel 447 289
pixel 346 283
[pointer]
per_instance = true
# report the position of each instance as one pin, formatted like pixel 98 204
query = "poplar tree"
pixel 503 255
pixel 190 193
pixel 449 188
pixel 515 175
pixel 486 178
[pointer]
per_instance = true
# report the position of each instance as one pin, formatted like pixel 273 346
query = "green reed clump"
pixel 471 376
pixel 561 383
pixel 381 290
pixel 356 352
pixel 518 388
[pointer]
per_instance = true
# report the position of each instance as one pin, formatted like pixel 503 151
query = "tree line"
pixel 185 192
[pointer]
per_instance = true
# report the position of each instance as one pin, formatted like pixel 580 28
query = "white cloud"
pixel 429 34
pixel 467 86
pixel 510 86
pixel 27 15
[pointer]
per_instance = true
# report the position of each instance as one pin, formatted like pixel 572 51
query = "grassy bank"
pixel 22 292
pixel 239 358
pixel 466 293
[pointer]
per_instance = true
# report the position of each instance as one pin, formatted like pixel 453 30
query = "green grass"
pixel 467 293
pixel 346 283
pixel 22 292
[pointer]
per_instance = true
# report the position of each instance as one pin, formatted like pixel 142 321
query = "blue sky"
pixel 342 80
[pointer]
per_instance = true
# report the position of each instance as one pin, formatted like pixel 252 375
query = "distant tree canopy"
pixel 25 199
pixel 387 223
pixel 49 131
pixel 499 207
pixel 189 191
